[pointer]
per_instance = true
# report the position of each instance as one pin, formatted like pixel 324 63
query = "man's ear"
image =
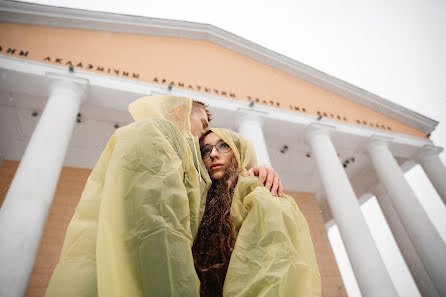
pixel 179 111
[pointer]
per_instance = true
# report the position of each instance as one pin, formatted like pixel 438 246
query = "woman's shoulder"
pixel 246 184
pixel 250 185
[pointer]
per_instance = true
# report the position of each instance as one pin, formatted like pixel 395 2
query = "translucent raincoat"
pixel 133 229
pixel 273 254
pixel 132 232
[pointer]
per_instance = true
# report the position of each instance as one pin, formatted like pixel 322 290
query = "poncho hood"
pixel 243 149
pixel 177 110
pixel 172 108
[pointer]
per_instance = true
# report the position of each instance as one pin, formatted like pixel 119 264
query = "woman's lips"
pixel 216 166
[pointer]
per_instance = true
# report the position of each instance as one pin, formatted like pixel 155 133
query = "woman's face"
pixel 217 161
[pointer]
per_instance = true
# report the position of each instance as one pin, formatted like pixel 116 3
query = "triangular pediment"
pixel 200 62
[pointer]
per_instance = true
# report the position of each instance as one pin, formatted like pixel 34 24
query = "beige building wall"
pixel 196 65
pixel 332 284
pixel 71 184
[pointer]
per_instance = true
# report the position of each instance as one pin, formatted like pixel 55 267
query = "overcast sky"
pixel 394 49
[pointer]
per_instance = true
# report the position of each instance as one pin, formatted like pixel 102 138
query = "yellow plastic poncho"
pixel 273 254
pixel 132 231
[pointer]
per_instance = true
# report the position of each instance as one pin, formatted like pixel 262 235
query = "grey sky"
pixel 395 49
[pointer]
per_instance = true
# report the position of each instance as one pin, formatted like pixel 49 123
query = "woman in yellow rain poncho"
pixel 262 241
pixel 133 229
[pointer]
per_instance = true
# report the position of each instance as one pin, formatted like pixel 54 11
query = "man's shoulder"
pixel 154 131
pixel 152 127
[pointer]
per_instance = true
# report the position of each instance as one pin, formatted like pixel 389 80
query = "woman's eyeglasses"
pixel 221 146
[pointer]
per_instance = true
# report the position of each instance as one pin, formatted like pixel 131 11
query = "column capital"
pixel 249 114
pixel 426 152
pixel 377 140
pixel 315 129
pixel 77 85
pixel 250 126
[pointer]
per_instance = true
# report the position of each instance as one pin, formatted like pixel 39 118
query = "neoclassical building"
pixel 67 77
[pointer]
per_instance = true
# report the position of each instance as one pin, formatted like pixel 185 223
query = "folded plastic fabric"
pixel 133 229
pixel 273 254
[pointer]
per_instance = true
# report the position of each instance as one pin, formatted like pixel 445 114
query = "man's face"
pixel 198 121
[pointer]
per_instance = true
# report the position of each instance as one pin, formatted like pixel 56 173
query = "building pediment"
pixel 196 57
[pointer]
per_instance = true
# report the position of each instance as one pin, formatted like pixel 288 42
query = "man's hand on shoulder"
pixel 268 177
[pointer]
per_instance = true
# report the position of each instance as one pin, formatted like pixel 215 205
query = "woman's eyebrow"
pixel 205 144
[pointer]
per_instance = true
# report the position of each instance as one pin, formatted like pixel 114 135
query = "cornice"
pixel 128 88
pixel 11 11
pixel 427 152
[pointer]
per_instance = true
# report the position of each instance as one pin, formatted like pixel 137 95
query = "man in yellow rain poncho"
pixel 132 231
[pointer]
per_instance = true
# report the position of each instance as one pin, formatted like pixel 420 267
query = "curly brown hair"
pixel 216 237
pixel 205 107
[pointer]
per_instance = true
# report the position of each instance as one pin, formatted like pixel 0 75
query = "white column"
pixel 25 209
pixel 434 168
pixel 410 255
pixel 368 266
pixel 250 126
pixel 425 238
